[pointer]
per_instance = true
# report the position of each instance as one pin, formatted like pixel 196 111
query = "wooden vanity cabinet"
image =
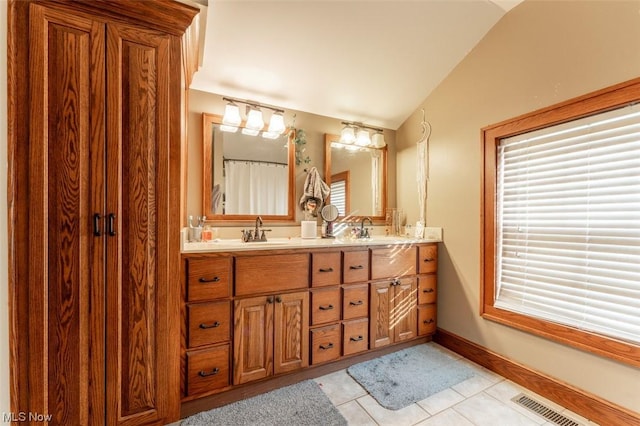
pixel 291 309
pixel 393 311
pixel 207 308
pixel 270 335
pixel 427 288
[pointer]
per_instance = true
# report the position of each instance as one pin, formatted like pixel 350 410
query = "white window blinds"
pixel 339 196
pixel 568 224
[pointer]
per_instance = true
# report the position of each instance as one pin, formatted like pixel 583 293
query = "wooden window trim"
pixel 596 102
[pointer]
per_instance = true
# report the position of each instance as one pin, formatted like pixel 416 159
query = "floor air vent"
pixel 544 411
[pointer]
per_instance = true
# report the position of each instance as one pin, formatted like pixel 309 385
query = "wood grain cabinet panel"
pixel 396 261
pixel 393 311
pixel 270 335
pixel 427 319
pixel 355 301
pixel 355 336
pixel 102 264
pixel 427 259
pixel 208 278
pixel 355 266
pixel 208 323
pixel 325 305
pixel 207 369
pixel 256 274
pixel 325 269
pixel 325 344
pixel 427 286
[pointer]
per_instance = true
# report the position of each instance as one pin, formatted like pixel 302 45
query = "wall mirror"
pixel 357 177
pixel 246 176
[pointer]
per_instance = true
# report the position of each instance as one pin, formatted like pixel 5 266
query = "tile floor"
pixel 483 400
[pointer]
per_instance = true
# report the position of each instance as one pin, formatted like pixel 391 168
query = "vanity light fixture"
pixel 255 122
pixel 358 134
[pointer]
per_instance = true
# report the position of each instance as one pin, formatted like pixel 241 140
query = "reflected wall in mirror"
pixel 357 177
pixel 246 176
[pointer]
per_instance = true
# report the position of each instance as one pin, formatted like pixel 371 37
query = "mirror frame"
pixel 208 122
pixel 328 139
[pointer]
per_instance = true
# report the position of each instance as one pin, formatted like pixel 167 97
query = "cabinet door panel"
pixel 404 311
pixel 380 333
pixel 253 339
pixel 291 332
pixel 140 360
pixel 66 262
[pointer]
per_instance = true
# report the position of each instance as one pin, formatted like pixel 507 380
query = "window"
pixel 561 227
pixel 340 192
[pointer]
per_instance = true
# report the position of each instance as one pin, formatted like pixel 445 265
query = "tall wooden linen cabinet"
pixel 95 143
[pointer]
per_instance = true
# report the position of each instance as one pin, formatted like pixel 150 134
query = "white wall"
pixel 539 54
pixel 4 240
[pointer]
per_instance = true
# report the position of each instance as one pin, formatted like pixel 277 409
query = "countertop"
pixel 220 245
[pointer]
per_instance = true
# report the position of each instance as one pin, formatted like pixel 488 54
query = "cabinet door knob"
pixel 213 372
pixel 326 308
pixel 325 269
pixel 356 303
pixel 209 280
pixel 278 299
pixel 214 325
pixel 325 347
pixel 356 339
pixel 270 299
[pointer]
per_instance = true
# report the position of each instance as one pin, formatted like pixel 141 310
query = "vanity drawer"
pixel 427 319
pixel 208 278
pixel 325 269
pixel 427 289
pixel 325 344
pixel 207 369
pixel 355 336
pixel 355 301
pixel 391 262
pixel 427 259
pixel 355 266
pixel 256 274
pixel 325 305
pixel 209 323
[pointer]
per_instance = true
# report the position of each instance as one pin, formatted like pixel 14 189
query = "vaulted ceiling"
pixel 371 61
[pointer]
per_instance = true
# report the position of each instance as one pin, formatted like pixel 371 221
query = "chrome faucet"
pixel 256 234
pixel 364 232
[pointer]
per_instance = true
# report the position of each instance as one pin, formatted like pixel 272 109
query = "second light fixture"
pixel 354 133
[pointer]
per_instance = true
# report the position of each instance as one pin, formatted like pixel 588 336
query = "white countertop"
pixel 220 245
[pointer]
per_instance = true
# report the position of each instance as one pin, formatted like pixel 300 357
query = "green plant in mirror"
pixel 300 140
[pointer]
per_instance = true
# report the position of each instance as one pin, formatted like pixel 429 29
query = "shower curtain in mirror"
pixel 254 187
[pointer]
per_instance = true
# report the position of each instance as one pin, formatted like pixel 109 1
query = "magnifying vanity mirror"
pixel 246 176
pixel 357 177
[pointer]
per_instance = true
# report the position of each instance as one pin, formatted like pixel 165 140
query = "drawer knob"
pixel 429 259
pixel 325 269
pixel 214 325
pixel 429 321
pixel 356 267
pixel 356 339
pixel 209 280
pixel 325 347
pixel 326 308
pixel 356 303
pixel 428 290
pixel 213 372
